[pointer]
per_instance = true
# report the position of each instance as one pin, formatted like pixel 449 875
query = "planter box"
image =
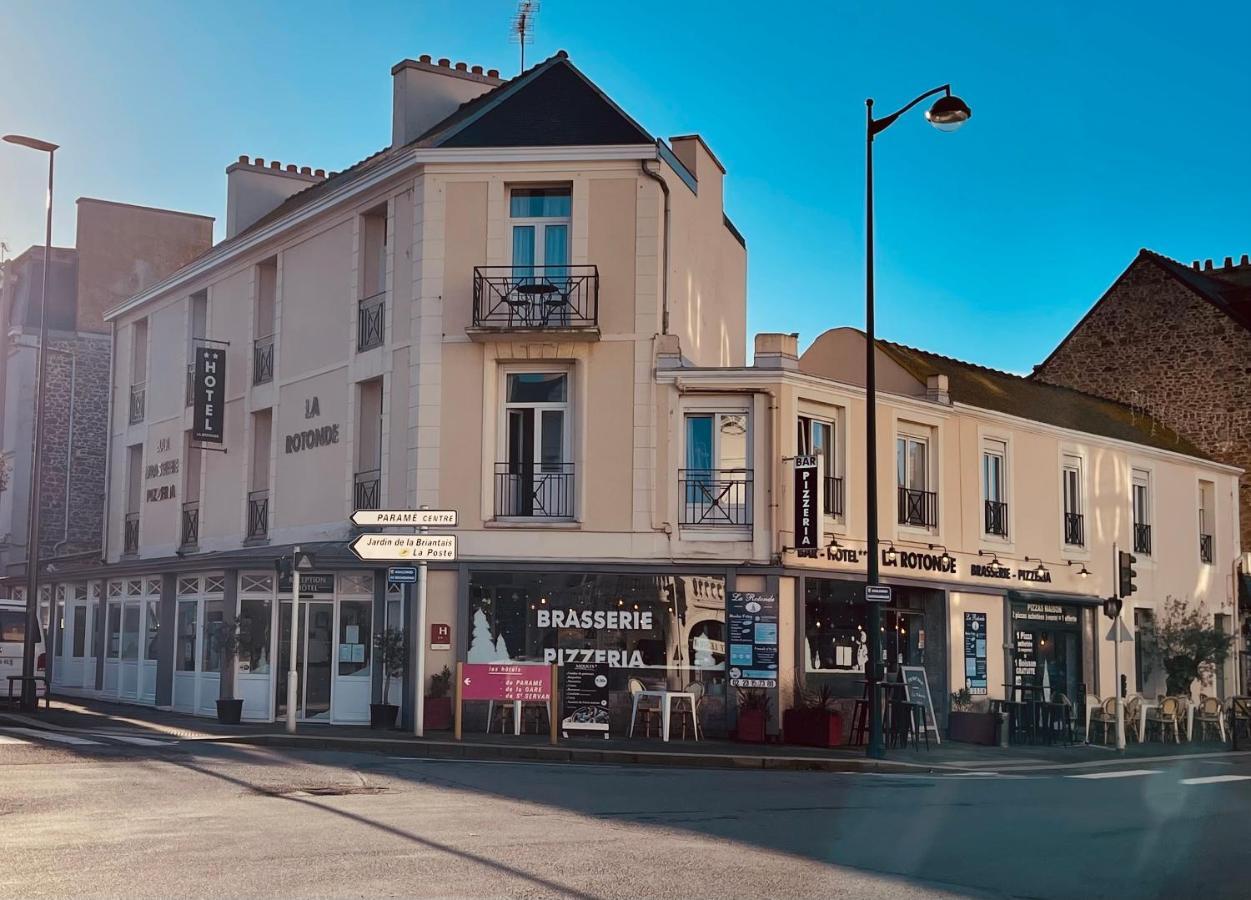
pixel 229 711
pixel 973 728
pixel 751 725
pixel 812 727
pixel 438 714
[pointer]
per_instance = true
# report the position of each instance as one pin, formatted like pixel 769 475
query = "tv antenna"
pixel 522 30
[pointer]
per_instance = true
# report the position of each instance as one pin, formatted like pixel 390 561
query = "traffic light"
pixel 1128 573
pixel 1112 607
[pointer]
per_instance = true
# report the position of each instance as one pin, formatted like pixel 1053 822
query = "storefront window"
pixel 184 657
pixel 115 631
pixel 80 631
pixel 1047 648
pixel 214 625
pixel 130 631
pixel 354 636
pixel 154 627
pixel 60 629
pixel 254 615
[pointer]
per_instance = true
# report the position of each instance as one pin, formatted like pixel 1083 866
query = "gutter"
pixel 108 443
pixel 664 271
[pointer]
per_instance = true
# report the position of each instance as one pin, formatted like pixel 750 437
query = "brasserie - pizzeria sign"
pixel 928 563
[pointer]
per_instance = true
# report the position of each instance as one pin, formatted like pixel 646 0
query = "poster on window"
pixel 584 700
pixel 753 626
pixel 975 653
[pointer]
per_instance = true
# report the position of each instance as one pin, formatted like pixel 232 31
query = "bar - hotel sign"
pixel 929 563
pixel 207 391
pixel 807 512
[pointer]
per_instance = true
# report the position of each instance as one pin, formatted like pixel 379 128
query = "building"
pixel 118 250
pixel 530 310
pixel 1174 342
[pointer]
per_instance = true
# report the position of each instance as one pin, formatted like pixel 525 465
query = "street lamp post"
pixel 947 114
pixel 30 701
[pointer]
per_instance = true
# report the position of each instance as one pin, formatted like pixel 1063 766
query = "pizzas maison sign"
pixel 927 563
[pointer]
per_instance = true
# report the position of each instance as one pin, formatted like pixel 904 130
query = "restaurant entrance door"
pixel 1047 649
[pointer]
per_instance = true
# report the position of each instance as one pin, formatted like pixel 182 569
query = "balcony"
pixel 258 515
pixel 918 508
pixel 553 300
pixel 371 322
pixel 189 397
pixel 190 524
pixel 138 398
pixel 367 490
pixel 1205 549
pixel 534 491
pixel 715 498
pixel 833 496
pixel 996 518
pixel 263 360
pixel 130 534
pixel 1142 538
pixel 1074 530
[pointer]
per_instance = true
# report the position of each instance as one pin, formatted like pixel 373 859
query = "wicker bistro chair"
pixel 1210 713
pixel 648 708
pixel 1163 717
pixel 683 712
pixel 1133 718
pixel 1105 717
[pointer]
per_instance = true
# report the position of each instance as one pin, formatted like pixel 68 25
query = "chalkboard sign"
pixel 917 688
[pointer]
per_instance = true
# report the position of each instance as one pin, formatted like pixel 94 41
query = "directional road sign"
pixel 405 547
pixel 404 518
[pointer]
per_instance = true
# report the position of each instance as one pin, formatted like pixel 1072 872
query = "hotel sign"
pixel 208 395
pixel 904 561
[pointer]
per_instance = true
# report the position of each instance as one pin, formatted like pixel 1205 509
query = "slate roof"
pixel 975 385
pixel 1228 295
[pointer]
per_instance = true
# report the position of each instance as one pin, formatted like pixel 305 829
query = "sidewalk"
pixel 99 717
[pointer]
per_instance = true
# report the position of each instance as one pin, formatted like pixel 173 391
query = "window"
pixel 263 326
pixel 540 219
pixel 368 444
pixel 214 632
pixel 254 616
pixel 152 614
pixel 130 631
pixel 836 618
pixel 716 483
pixel 1207 521
pixel 371 310
pixel 114 649
pixel 79 648
pixel 1140 493
pixel 184 658
pixel 535 477
pixel 258 496
pixel 918 505
pixel 197 330
pixel 1144 623
pixel 59 638
pixel 994 487
pixel 138 370
pixel 1071 489
pixel 816 438
pixel 355 617
pixel 13 627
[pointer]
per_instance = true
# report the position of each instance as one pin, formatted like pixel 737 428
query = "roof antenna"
pixel 522 30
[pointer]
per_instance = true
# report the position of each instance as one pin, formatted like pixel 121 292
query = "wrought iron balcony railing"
pixel 368 489
pixel 263 360
pixel 190 524
pixel 833 495
pixel 1142 538
pixel 258 514
pixel 371 322
pixel 535 297
pixel 715 498
pixel 138 398
pixel 130 534
pixel 1074 530
pixel 534 490
pixel 918 508
pixel 996 518
pixel 1205 549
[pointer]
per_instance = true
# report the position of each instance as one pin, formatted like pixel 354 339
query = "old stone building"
pixel 1173 341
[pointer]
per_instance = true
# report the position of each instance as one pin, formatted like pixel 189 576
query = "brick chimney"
pixel 425 93
pixel 777 351
pixel 255 188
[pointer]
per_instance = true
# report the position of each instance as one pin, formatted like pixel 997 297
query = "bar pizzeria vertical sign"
pixel 208 394
pixel 753 621
pixel 807 510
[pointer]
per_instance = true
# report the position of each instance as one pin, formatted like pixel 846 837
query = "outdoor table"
pixel 1142 719
pixel 666 709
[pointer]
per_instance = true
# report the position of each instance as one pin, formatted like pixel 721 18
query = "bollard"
pixel 1003 730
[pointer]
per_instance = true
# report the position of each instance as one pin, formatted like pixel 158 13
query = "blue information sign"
pixel 402 575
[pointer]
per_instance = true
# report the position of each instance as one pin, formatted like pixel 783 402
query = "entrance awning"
pixel 1050 597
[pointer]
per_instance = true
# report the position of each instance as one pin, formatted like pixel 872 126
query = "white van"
pixel 12 636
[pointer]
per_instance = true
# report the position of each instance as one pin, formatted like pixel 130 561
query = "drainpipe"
pixel 664 272
pixel 69 452
pixel 108 443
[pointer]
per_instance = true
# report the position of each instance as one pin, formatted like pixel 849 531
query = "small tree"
pixel 392 648
pixel 1187 644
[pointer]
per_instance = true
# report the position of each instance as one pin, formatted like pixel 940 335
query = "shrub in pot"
pixel 438 706
pixel 391 647
pixel 813 721
pixel 968 726
pixel 226 640
pixel 754 713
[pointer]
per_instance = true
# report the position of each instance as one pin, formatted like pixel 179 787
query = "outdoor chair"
pixel 1239 716
pixel 1060 718
pixel 683 712
pixel 1105 716
pixel 1163 717
pixel 1133 718
pixel 1210 714
pixel 648 707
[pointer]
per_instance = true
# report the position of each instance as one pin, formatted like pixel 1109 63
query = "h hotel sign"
pixel 807 505
pixel 208 394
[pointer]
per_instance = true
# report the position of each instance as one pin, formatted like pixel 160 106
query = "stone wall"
pixel 1156 345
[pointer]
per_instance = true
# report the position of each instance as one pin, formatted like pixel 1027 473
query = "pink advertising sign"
pixel 505 681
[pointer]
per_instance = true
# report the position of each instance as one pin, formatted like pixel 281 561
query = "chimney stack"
pixel 255 189
pixel 425 93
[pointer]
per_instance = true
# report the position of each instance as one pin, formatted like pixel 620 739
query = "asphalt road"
pixel 154 818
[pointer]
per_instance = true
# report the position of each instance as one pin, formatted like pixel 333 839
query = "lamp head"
pixel 948 113
pixel 32 143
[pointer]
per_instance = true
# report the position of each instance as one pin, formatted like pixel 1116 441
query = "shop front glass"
pixel 1047 648
pixel 660 632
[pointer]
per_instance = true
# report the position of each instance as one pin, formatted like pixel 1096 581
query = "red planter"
pixel 438 713
pixel 751 725
pixel 812 727
pixel 973 728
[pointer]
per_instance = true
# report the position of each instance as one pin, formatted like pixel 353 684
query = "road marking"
pixel 52 736
pixel 1216 779
pixel 130 739
pixel 6 739
pixel 1128 773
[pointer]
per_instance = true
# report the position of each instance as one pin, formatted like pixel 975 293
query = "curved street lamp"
pixel 30 700
pixel 947 113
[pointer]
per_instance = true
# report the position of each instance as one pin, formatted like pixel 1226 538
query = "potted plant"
pixel 391 646
pixel 226 639
pixel 438 705
pixel 1187 644
pixel 813 721
pixel 754 714
pixel 968 726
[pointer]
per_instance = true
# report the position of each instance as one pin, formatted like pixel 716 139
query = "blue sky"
pixel 1097 129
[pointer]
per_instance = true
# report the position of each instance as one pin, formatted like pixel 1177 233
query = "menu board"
pixel 917 688
pixel 752 621
pixel 1026 663
pixel 975 652
pixel 584 701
